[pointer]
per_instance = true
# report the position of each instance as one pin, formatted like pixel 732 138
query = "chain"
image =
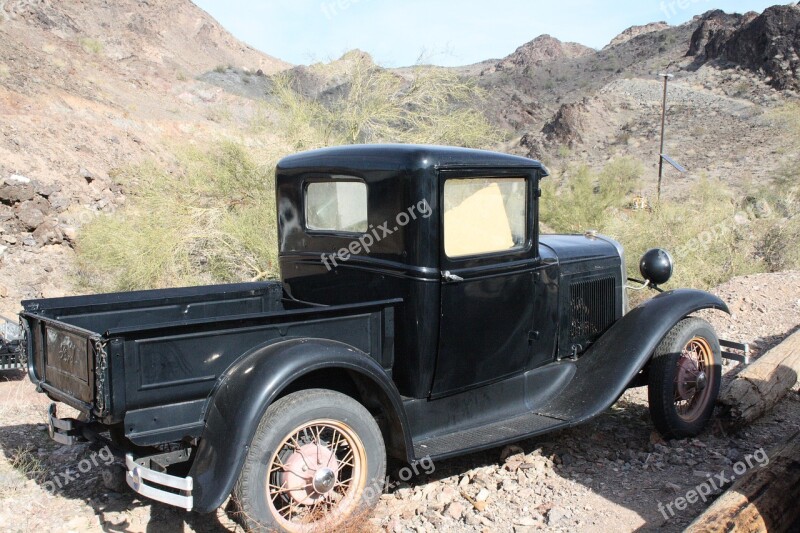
pixel 100 373
pixel 22 348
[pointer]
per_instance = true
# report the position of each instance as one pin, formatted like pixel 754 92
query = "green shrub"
pixel 92 46
pixel 587 200
pixel 212 222
pixel 709 242
pixel 434 106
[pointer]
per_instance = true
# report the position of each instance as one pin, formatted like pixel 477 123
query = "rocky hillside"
pixel 731 72
pixel 169 34
pixel 768 45
pixel 635 31
pixel 88 88
pixel 542 50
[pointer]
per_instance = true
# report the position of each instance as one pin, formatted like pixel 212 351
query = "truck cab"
pixel 420 315
pixel 453 233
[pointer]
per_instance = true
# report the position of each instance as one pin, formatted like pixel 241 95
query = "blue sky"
pixel 397 33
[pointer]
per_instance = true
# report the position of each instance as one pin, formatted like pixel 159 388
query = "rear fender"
pixel 611 363
pixel 245 392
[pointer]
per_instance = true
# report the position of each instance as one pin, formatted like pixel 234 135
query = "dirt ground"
pixel 608 475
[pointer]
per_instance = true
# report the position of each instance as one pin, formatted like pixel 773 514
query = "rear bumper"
pixel 65 431
pixel 145 475
pixel 156 485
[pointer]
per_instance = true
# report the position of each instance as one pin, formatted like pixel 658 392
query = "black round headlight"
pixel 656 266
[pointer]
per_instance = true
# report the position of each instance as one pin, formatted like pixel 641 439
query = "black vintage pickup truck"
pixel 420 315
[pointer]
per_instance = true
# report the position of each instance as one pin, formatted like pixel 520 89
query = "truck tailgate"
pixel 68 356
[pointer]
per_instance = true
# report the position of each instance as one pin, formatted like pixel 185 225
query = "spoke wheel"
pixel 692 376
pixel 316 475
pixel 315 464
pixel 684 378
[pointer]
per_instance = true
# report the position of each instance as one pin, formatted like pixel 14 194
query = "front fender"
pixel 244 394
pixel 610 364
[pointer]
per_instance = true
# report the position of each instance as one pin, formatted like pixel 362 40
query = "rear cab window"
pixel 337 206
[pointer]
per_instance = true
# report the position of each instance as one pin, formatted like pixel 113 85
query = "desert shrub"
pixel 708 234
pixel 212 222
pixel 588 200
pixel 706 230
pixel 434 106
pixel 777 208
pixel 788 116
pixel 564 152
pixel 92 46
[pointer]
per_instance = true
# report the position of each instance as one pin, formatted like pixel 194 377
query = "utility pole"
pixel 662 157
pixel 666 77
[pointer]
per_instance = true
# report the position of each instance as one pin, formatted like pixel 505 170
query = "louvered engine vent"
pixel 592 309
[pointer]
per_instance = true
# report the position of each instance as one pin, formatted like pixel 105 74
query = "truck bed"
pixel 151 358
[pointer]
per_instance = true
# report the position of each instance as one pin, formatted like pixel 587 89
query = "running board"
pixel 601 376
pixel 489 436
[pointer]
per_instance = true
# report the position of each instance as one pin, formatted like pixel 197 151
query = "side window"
pixel 484 215
pixel 337 206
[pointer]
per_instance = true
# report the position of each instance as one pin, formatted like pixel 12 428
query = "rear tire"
pixel 316 463
pixel 684 379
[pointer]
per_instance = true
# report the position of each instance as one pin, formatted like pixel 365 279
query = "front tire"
pixel 684 379
pixel 316 463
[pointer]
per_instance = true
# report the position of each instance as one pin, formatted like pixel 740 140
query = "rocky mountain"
pixel 767 44
pixel 90 87
pixel 635 31
pixel 87 89
pixel 543 49
pixel 172 34
pixel 730 72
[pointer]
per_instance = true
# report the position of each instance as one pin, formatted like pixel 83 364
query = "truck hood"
pixel 574 248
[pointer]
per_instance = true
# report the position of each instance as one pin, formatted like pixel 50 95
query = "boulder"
pixel 17 179
pixel 48 190
pixel 39 202
pixel 87 174
pixel 14 193
pixel 30 217
pixel 48 232
pixel 6 213
pixel 60 202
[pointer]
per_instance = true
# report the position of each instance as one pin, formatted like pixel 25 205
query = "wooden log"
pixel 763 499
pixel 760 386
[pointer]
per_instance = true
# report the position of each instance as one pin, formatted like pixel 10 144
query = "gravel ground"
pixel 607 475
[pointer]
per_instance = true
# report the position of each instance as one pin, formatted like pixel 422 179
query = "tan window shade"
pixel 484 215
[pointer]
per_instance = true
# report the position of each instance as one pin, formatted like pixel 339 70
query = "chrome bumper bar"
pixel 154 484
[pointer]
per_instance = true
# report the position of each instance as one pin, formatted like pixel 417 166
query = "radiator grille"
pixel 592 309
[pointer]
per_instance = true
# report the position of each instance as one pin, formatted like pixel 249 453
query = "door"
pixel 489 252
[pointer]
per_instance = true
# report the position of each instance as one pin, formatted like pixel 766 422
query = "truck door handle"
pixel 450 277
